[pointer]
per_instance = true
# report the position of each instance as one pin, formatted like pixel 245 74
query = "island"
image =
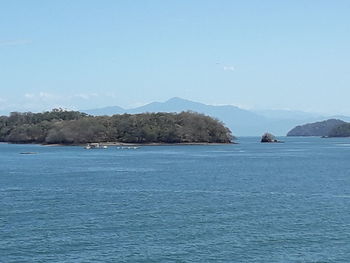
pixel 75 128
pixel 322 128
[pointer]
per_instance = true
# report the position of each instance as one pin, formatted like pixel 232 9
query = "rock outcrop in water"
pixel 322 128
pixel 269 138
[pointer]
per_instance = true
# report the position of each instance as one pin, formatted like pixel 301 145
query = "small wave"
pixel 11 189
pixel 341 196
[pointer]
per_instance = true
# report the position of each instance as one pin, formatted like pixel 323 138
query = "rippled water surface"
pixel 250 202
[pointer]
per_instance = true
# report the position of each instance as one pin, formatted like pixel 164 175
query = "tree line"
pixel 72 127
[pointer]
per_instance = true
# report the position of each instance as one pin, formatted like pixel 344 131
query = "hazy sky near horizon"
pixel 81 54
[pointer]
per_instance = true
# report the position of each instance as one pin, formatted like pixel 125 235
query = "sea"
pixel 245 202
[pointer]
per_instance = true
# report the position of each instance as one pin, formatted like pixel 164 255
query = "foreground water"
pixel 250 202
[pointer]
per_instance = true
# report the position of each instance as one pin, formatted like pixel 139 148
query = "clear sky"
pixel 292 54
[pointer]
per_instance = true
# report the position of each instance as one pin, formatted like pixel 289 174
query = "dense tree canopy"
pixel 342 130
pixel 72 127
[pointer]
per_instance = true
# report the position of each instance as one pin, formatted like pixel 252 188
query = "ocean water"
pixel 249 202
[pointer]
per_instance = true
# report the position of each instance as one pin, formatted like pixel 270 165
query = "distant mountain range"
pixel 241 122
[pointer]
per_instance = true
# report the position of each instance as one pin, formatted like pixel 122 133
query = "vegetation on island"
pixel 322 128
pixel 72 127
pixel 342 130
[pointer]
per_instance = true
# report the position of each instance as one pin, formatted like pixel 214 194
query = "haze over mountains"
pixel 241 122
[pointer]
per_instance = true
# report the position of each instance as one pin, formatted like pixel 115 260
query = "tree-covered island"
pixel 327 128
pixel 72 127
pixel 320 128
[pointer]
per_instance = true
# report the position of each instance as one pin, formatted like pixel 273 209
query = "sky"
pixel 83 54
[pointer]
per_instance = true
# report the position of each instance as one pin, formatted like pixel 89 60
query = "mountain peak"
pixel 177 100
pixel 182 103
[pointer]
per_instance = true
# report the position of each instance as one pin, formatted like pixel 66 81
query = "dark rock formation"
pixel 268 137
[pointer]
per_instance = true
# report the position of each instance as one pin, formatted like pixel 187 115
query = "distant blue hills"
pixel 241 122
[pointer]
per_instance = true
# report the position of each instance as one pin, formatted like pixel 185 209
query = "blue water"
pixel 250 202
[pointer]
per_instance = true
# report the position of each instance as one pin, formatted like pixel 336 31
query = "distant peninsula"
pixel 322 128
pixel 73 128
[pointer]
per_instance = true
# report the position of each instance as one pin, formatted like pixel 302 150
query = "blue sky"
pixel 254 54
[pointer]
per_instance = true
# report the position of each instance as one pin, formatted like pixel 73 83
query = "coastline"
pixel 110 144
